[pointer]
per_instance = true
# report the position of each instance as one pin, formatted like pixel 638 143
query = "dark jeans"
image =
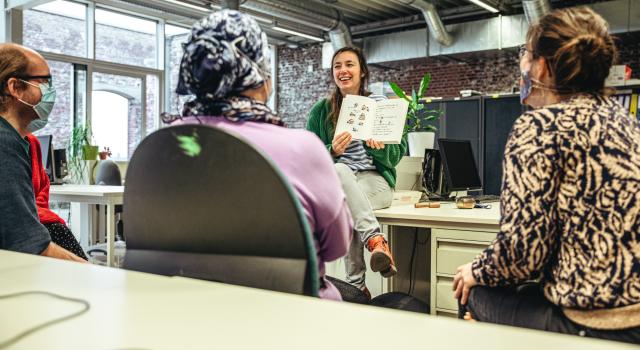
pixel 525 306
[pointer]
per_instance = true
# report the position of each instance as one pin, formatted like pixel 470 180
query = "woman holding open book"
pixel 366 168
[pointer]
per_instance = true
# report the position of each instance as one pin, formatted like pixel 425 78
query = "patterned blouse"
pixel 570 206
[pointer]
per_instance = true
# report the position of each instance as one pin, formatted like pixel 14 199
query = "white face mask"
pixel 44 107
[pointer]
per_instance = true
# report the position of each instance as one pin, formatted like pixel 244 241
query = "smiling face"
pixel 347 73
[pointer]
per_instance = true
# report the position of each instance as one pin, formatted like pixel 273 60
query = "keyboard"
pixel 486 198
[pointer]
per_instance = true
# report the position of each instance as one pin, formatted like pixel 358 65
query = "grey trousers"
pixel 366 191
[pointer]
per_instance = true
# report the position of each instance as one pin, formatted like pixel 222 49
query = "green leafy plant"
pixel 418 118
pixel 81 148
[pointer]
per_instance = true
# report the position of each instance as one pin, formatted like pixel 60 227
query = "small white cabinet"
pixel 450 249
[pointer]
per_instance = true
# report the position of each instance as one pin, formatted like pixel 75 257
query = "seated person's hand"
pixel 340 143
pixel 371 143
pixel 55 251
pixel 462 283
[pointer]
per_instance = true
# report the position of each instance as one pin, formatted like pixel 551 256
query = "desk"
pixel 132 310
pixel 457 236
pixel 93 194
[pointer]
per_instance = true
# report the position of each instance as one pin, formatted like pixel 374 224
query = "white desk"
pixel 457 236
pixel 142 311
pixel 446 217
pixel 110 196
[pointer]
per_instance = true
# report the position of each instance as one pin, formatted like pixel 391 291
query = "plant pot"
pixel 419 141
pixel 89 152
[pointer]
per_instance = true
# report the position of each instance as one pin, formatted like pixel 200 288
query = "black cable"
pixel 413 253
pixel 20 336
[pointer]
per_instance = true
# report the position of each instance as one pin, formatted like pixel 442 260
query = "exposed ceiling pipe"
pixel 436 28
pixel 338 30
pixel 534 9
pixel 231 4
pixel 340 36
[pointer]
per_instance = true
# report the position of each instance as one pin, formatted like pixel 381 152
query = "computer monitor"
pixel 47 155
pixel 459 165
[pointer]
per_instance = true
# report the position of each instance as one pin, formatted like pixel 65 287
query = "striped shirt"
pixel 356 156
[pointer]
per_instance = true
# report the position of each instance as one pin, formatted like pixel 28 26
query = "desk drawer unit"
pixel 450 255
pixel 450 249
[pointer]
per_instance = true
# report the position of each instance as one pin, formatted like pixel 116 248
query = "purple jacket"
pixel 305 162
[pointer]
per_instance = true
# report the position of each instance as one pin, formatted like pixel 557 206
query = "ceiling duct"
pixel 231 4
pixel 338 30
pixel 340 36
pixel 534 9
pixel 431 16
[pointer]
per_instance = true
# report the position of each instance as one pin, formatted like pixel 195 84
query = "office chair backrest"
pixel 200 202
pixel 108 173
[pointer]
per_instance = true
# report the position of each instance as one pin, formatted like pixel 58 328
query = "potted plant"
pixel 106 152
pixel 81 150
pixel 419 127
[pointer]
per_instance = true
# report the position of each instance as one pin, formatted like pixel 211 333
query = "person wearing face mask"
pixel 570 195
pixel 366 168
pixel 25 102
pixel 226 66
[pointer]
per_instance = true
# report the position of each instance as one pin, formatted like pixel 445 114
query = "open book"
pixel 365 118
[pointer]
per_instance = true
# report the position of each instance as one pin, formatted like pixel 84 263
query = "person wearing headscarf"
pixel 226 66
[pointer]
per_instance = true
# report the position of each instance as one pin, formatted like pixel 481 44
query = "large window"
pixel 109 67
pixel 116 113
pixel 174 38
pixel 61 119
pixel 152 103
pixel 58 27
pixel 125 39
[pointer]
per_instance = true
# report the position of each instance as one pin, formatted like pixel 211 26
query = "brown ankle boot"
pixel 381 259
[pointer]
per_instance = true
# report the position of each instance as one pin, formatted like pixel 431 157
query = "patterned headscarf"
pixel 226 54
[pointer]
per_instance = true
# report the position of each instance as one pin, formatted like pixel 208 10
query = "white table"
pixel 135 310
pixel 110 196
pixel 445 217
pixel 457 236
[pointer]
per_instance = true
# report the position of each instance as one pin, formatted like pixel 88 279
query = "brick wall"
pixel 300 86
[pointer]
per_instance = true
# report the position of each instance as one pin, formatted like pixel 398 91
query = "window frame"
pixel 93 65
pixel 11 30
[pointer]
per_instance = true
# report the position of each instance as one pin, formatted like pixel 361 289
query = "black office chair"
pixel 108 174
pixel 202 203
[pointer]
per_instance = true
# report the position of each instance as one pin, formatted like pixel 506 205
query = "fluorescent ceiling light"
pixel 485 6
pixel 262 19
pixel 215 7
pixel 64 8
pixel 171 30
pixel 293 32
pixel 120 20
pixel 185 4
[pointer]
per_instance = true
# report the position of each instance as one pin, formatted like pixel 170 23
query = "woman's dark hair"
pixel 577 47
pixel 335 99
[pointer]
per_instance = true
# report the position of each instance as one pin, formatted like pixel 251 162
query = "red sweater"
pixel 41 183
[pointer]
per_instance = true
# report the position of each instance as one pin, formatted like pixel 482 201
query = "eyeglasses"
pixel 34 77
pixel 46 78
pixel 522 50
